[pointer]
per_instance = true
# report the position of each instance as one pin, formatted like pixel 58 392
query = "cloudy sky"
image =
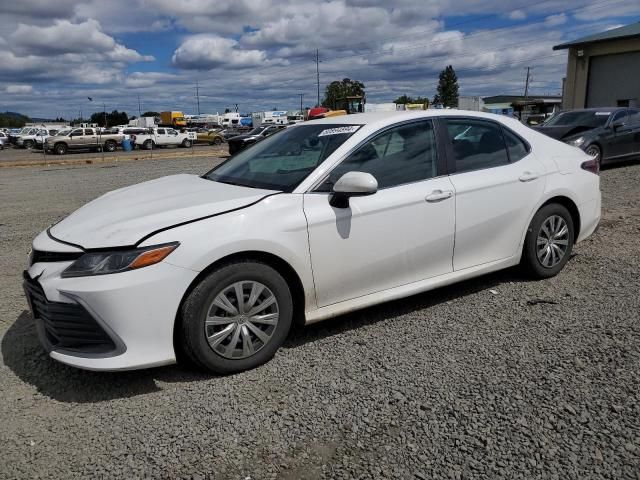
pixel 261 53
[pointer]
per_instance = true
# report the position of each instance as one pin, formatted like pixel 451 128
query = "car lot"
pixel 498 377
pixel 24 156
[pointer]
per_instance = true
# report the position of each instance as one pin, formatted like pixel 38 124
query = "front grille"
pixel 66 326
pixel 40 256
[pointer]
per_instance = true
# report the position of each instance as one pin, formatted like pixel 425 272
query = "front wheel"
pixel 236 318
pixel 217 141
pixel 549 241
pixel 60 149
pixel 28 144
pixel 186 143
pixel 594 151
pixel 110 146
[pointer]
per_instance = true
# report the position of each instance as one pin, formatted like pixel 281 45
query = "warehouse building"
pixel 603 70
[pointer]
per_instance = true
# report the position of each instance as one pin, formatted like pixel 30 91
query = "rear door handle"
pixel 528 176
pixel 439 195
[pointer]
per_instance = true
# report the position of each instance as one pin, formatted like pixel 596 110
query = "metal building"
pixel 603 70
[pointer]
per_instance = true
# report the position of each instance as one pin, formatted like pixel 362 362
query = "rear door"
pixel 497 182
pixel 621 142
pixel 161 136
pixel 634 124
pixel 90 137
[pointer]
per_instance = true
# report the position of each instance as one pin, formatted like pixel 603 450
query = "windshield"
pixel 257 131
pixel 584 118
pixel 283 160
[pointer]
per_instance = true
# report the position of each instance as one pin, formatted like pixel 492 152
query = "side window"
pixel 634 117
pixel 620 116
pixel 171 131
pixel 161 131
pixel 88 131
pixel 516 147
pixel 476 144
pixel 403 154
pixel 77 131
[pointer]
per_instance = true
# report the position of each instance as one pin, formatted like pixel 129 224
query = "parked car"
pixel 34 137
pixel 164 137
pixel 210 137
pixel 228 133
pixel 609 134
pixel 82 139
pixel 257 134
pixel 4 140
pixel 326 217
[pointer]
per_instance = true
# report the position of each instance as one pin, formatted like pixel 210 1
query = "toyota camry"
pixel 319 219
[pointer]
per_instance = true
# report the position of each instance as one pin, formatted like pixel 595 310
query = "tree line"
pixel 337 92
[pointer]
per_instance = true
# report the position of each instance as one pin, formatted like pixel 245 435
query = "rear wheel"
pixel 148 144
pixel 236 318
pixel 549 241
pixel 217 141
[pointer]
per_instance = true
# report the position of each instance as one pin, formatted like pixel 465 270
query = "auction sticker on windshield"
pixel 339 130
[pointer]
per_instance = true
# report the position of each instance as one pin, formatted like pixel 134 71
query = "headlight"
pixel 102 263
pixel 577 142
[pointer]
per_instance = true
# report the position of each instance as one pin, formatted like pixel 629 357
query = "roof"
pixel 517 98
pixel 628 31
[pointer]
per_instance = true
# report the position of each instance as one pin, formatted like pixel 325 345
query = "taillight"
pixel 592 166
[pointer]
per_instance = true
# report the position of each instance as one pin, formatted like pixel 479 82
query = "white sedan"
pixel 322 218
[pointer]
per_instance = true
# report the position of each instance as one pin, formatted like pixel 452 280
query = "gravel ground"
pixel 497 377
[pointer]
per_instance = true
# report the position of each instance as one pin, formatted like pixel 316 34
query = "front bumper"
pixel 128 316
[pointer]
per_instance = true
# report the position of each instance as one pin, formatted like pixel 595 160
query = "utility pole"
pixel 104 111
pixel 526 84
pixel 301 95
pixel 318 74
pixel 139 109
pixel 198 96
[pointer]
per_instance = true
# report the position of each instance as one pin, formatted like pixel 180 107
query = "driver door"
pixel 401 234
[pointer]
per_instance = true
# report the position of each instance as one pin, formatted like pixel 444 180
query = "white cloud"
pixel 555 20
pixel 517 15
pixel 19 89
pixel 205 52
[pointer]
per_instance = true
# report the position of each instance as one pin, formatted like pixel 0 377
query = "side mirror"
pixel 352 184
pixel 617 124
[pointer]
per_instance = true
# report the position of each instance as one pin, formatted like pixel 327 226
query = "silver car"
pixel 4 140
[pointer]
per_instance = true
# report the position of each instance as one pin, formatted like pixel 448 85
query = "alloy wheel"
pixel 241 319
pixel 552 241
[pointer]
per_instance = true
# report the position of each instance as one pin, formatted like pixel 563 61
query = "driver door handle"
pixel 528 176
pixel 438 195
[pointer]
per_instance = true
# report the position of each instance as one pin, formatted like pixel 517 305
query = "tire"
pixel 217 141
pixel 595 151
pixel 221 358
pixel 186 143
pixel 60 148
pixel 541 261
pixel 110 146
pixel 148 144
pixel 28 144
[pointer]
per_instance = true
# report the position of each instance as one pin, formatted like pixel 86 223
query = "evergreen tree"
pixel 447 88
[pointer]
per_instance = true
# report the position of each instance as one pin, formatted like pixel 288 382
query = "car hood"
pixel 240 138
pixel 123 217
pixel 563 131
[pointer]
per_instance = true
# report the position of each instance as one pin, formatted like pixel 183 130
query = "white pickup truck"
pixel 163 137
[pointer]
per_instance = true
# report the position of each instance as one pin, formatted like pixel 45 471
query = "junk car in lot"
pixel 326 217
pixel 209 137
pixel 608 134
pixel 82 139
pixel 164 137
pixel 239 142
pixel 35 138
